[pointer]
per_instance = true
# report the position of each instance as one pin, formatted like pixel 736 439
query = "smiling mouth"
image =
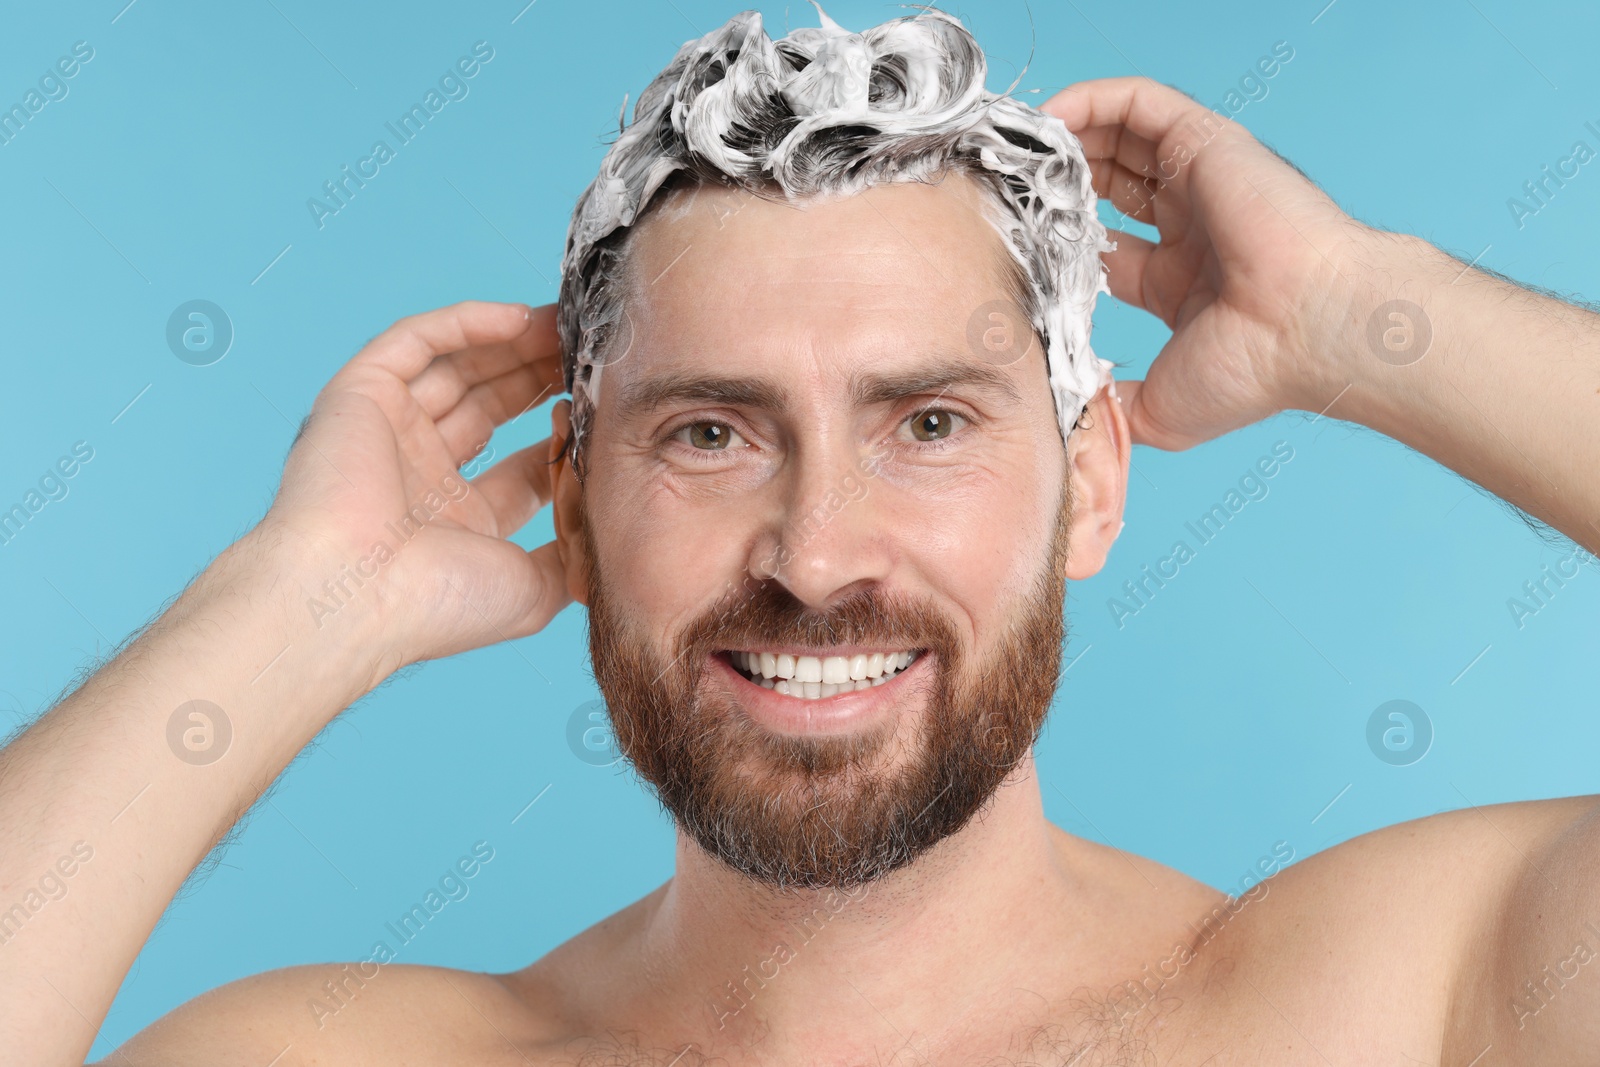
pixel 819 677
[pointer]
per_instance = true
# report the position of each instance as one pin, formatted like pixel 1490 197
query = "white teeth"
pixel 817 677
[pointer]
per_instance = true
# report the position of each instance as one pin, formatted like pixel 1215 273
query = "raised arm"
pixel 113 796
pixel 1279 300
pixel 1506 392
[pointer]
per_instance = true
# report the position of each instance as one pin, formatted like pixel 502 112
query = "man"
pixel 770 353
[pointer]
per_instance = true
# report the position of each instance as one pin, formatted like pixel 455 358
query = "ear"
pixel 567 507
pixel 1097 464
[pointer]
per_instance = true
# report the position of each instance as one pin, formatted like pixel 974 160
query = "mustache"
pixel 772 615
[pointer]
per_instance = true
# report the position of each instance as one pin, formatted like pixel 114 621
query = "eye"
pixel 708 436
pixel 934 424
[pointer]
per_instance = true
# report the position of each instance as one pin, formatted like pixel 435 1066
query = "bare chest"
pixel 1223 1016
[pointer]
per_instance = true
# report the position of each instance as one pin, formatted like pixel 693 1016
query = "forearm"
pixel 135 800
pixel 1507 392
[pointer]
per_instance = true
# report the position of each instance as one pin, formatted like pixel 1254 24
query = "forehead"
pixel 725 274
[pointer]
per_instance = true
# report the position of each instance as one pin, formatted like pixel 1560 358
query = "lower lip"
pixel 839 714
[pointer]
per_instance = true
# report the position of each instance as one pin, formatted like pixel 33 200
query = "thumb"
pixel 544 592
pixel 1127 393
pixel 1140 401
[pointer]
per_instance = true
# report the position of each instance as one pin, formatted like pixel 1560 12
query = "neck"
pixel 987 909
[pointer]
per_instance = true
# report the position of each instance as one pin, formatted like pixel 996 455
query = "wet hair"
pixel 827 112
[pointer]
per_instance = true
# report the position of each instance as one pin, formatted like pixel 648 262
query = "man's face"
pixel 812 447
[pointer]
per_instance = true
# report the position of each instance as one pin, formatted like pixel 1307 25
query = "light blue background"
pixel 1223 718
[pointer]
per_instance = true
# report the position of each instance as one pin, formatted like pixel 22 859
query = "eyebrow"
pixel 648 394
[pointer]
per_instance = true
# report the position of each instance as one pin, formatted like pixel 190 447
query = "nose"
pixel 829 536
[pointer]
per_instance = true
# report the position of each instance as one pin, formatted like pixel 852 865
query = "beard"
pixel 815 811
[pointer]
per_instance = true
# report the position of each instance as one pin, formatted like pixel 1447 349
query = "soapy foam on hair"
pixel 825 112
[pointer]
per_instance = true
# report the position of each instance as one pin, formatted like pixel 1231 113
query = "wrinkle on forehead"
pixel 865 298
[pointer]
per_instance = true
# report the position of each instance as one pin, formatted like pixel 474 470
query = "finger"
pixel 471 424
pixel 1146 107
pixel 1127 392
pixel 406 348
pixel 545 578
pixel 442 387
pixel 1119 143
pixel 1141 430
pixel 517 487
pixel 1132 195
pixel 443 383
pixel 491 404
pixel 1125 268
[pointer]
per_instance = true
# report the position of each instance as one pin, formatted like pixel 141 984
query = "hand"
pixel 385 440
pixel 1253 272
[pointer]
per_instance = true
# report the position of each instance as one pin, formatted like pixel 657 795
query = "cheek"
pixel 673 556
pixel 980 540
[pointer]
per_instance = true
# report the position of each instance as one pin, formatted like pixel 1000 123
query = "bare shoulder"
pixel 345 1014
pixel 352 1014
pixel 1449 867
pixel 1394 923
